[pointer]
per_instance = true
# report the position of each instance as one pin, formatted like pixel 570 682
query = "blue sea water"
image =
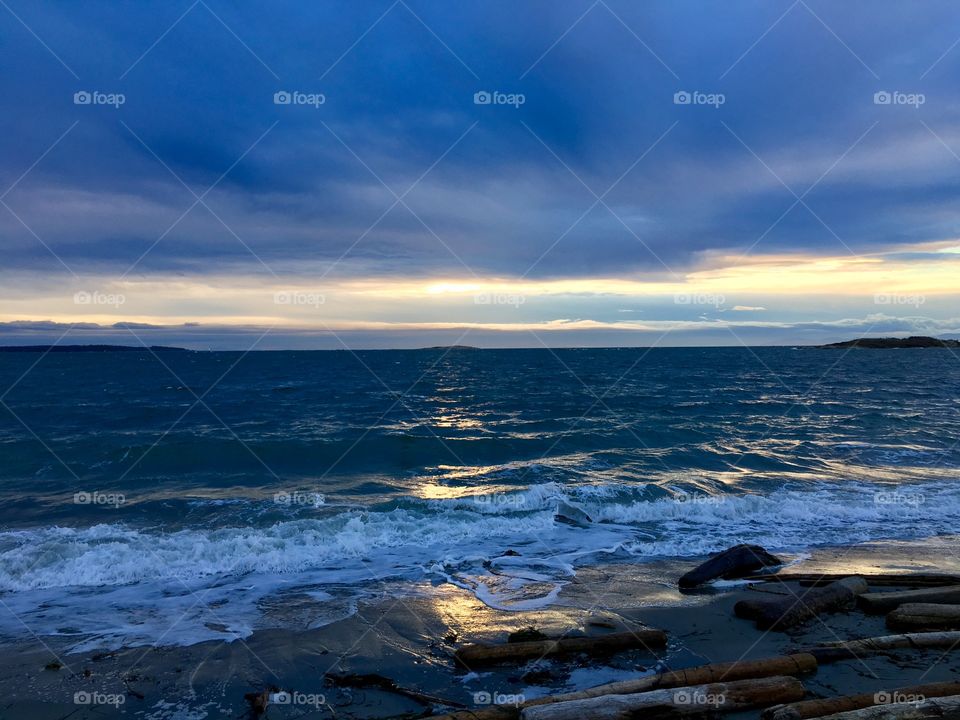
pixel 180 496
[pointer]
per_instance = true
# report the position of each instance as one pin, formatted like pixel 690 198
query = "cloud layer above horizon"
pixel 581 167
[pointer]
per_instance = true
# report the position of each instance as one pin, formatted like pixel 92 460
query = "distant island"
pixel 894 343
pixel 451 347
pixel 88 348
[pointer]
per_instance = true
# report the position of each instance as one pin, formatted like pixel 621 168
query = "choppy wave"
pixel 460 540
pixel 432 466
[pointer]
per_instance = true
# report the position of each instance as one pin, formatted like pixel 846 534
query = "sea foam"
pixel 139 572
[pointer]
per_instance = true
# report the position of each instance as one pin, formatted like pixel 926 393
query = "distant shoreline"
pixel 908 343
pixel 90 348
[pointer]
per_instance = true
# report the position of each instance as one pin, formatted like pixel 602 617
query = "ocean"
pixel 144 493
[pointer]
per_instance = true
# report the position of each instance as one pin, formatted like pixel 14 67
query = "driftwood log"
pixel 368 680
pixel 490 712
pixel 827 706
pixel 924 616
pixel 798 664
pixel 876 580
pixel 876 645
pixel 884 602
pixel 945 708
pixel 476 655
pixel 732 563
pixel 785 612
pixel 699 699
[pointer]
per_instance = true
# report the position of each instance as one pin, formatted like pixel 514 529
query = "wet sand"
pixel 410 638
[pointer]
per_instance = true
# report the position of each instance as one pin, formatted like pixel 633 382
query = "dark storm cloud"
pixel 511 187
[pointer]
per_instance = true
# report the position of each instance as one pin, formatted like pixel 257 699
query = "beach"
pixel 410 640
pixel 307 542
pixel 583 360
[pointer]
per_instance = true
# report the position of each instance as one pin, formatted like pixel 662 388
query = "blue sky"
pixel 806 192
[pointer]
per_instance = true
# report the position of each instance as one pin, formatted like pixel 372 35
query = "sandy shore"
pixel 409 637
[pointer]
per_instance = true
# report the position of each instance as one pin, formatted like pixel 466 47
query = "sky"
pixel 408 173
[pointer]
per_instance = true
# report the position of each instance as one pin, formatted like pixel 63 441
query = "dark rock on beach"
pixel 733 563
pixel 526 635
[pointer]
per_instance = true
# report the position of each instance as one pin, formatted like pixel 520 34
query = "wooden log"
pixel 784 612
pixel 830 652
pixel 799 664
pixel 904 581
pixel 732 563
pixel 694 699
pixel 490 712
pixel 884 602
pixel 475 655
pixel 924 616
pixel 945 708
pixel 826 706
pixel 374 680
pixel 878 580
pixel 796 664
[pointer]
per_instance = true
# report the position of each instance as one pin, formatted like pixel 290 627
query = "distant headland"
pixel 894 343
pixel 451 347
pixel 89 348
